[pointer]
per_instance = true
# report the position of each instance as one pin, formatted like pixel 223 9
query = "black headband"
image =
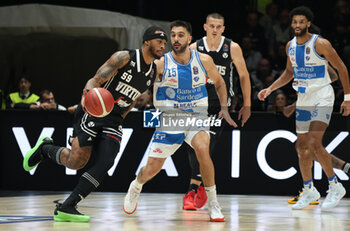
pixel 154 36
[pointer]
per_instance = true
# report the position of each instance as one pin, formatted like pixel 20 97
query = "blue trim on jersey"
pixel 180 64
pixel 299 55
pixel 200 62
pixel 314 48
pixel 302 115
pixel 168 138
pixel 165 65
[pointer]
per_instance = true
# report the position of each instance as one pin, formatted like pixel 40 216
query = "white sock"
pixel 211 193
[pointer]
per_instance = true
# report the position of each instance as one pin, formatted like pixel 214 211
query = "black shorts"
pixel 88 128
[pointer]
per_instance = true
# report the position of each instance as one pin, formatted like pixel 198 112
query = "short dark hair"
pixel 45 91
pixel 185 24
pixel 151 31
pixel 216 16
pixel 302 10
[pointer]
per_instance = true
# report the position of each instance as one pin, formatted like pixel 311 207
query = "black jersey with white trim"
pixel 131 81
pixel 223 61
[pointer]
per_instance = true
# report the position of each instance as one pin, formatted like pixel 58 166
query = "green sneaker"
pixel 34 156
pixel 69 214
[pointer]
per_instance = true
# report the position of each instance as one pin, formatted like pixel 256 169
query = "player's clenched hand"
pixel 345 108
pixel 264 93
pixel 224 114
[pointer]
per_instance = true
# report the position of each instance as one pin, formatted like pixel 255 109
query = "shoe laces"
pixel 215 205
pixel 332 191
pixel 133 194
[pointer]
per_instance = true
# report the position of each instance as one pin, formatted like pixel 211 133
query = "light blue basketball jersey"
pixel 182 86
pixel 309 68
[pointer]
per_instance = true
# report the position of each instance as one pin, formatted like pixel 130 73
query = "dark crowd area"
pixel 261 28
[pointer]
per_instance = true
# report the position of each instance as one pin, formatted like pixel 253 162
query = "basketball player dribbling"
pixel 126 74
pixel 308 57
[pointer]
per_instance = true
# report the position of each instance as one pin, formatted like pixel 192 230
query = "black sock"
pixel 53 152
pixel 82 190
pixel 346 167
pixel 193 187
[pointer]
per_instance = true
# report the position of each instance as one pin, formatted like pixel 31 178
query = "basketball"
pixel 99 102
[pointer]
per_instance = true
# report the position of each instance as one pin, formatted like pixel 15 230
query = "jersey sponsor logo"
pixel 174 80
pixel 127 90
pixel 151 74
pixel 123 103
pixel 291 51
pixel 195 70
pixel 170 93
pixel 225 55
pixel 158 150
pixel 91 124
pixel 132 63
pixel 307 50
pixel 201 48
pixel 185 105
pixel 225 48
pixel 307 58
pixel 196 78
pixel 148 82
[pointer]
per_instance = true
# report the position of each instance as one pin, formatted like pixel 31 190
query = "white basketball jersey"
pixel 309 68
pixel 182 87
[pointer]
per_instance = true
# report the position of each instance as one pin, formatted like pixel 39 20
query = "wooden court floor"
pixel 158 212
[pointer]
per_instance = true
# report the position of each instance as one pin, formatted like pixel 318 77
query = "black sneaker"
pixel 34 156
pixel 69 214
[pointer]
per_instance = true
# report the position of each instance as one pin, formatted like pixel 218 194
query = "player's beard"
pixel 301 33
pixel 179 50
pixel 154 53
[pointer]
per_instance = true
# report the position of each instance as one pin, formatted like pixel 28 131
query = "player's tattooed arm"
pixel 108 69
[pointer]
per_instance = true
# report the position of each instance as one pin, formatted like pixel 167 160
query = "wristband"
pixel 347 97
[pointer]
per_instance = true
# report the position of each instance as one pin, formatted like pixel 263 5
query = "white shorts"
pixel 164 144
pixel 314 106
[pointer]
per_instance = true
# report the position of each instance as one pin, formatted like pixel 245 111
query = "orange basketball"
pixel 99 102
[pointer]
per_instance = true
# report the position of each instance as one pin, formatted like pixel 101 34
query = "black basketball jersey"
pixel 223 61
pixel 131 81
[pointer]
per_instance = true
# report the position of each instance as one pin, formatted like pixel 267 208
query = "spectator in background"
pixel 251 56
pixel 23 99
pixel 255 32
pixel 267 21
pixel 47 101
pixel 278 63
pixel 279 103
pixel 282 28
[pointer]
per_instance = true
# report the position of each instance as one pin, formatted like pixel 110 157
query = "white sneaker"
pixel 335 193
pixel 214 211
pixel 130 200
pixel 306 198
